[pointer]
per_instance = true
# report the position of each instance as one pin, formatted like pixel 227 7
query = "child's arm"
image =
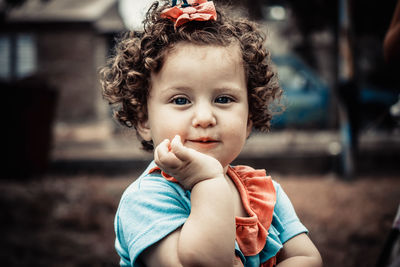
pixel 299 251
pixel 391 43
pixel 208 236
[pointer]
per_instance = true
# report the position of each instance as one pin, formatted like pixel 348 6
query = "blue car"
pixel 306 96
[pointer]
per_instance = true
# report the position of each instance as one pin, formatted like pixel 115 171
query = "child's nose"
pixel 203 117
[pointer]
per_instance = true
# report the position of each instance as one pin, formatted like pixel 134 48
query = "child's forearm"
pixel 391 42
pixel 208 236
pixel 301 261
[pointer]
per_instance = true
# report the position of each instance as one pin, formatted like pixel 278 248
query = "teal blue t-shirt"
pixel 153 207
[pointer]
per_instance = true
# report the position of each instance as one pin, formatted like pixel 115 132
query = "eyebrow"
pixel 229 89
pixel 175 88
pixel 185 89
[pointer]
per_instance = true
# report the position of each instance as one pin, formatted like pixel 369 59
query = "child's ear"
pixel 144 130
pixel 249 126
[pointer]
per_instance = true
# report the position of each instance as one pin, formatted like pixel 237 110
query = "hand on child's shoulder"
pixel 186 165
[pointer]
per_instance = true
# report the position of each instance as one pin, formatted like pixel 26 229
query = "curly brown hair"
pixel 126 81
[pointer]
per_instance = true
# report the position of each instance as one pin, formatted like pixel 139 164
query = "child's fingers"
pixel 159 150
pixel 162 148
pixel 163 156
pixel 180 151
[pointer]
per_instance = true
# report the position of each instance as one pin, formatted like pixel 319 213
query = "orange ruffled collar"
pixel 258 197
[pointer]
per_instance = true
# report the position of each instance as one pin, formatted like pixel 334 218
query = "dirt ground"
pixel 68 220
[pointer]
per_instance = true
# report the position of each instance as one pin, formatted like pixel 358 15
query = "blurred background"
pixel 335 149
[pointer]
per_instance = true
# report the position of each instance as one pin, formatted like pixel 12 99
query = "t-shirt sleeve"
pixel 149 210
pixel 286 215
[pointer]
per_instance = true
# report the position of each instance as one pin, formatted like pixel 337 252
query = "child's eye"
pixel 223 99
pixel 180 101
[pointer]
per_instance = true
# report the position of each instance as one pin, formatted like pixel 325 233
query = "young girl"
pixel 193 85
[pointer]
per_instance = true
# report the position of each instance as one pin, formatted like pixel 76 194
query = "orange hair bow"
pixel 200 10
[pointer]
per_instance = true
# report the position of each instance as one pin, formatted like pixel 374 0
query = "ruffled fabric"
pixel 200 10
pixel 274 243
pixel 165 175
pixel 258 196
pixel 267 256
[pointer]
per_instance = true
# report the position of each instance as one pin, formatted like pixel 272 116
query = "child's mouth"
pixel 204 142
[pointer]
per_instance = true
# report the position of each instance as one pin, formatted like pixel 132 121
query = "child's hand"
pixel 186 165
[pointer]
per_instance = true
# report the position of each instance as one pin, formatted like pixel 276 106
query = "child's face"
pixel 200 94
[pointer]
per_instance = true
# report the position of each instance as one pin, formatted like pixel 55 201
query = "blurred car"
pixel 306 97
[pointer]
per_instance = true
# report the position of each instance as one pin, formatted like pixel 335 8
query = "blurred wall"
pixel 69 42
pixel 70 59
